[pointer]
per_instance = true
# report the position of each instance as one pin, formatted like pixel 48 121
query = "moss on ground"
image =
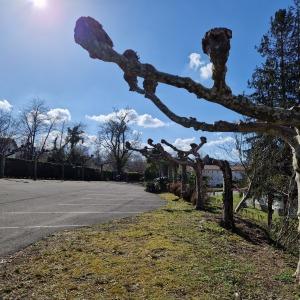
pixel 174 252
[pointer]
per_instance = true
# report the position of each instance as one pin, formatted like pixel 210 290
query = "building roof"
pixel 211 167
pixel 236 168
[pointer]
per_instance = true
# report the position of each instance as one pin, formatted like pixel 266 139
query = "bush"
pixel 150 172
pixel 175 188
pixel 150 187
pixel 161 184
pixel 158 185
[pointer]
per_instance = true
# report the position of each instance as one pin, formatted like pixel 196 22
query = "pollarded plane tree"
pixel 198 165
pixel 274 121
pixel 184 160
pixel 152 155
pixel 228 219
pixel 192 159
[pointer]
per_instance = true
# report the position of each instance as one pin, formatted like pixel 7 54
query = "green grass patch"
pixel 174 252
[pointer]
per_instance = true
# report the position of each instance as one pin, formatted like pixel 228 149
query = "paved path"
pixel 31 210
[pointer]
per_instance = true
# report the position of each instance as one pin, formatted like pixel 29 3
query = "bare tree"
pixel 274 121
pixel 36 127
pixel 192 159
pixel 113 135
pixel 8 144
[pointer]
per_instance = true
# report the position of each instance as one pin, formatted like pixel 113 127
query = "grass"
pixel 174 252
pixel 253 214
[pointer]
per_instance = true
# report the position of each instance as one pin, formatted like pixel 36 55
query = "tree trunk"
pixel 175 173
pixel 245 197
pixel 296 166
pixel 119 168
pixel 270 209
pixel 199 186
pixel 183 180
pixel 2 165
pixel 285 205
pixel 228 220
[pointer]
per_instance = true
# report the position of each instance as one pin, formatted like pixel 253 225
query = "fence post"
pixel 82 172
pixel 2 165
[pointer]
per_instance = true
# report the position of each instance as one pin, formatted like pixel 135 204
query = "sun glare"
pixel 39 3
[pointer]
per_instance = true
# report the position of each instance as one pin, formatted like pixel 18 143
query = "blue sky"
pixel 39 57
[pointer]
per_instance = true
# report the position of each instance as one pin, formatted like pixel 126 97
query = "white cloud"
pixel 221 141
pixel 89 140
pixel 206 71
pixel 181 144
pixel 145 120
pixel 5 106
pixel 184 144
pixel 59 114
pixel 196 64
pixel 195 61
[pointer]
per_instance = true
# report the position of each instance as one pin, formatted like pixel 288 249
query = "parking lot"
pixel 30 210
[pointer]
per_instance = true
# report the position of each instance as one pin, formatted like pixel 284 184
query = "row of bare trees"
pixel 193 159
pixel 279 122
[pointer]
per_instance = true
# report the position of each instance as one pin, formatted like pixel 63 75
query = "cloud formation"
pixel 59 114
pixel 181 144
pixel 145 120
pixel 195 61
pixel 197 64
pixel 5 106
pixel 221 141
pixel 206 71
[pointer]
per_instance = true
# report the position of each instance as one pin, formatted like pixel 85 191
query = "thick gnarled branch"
pixel 91 36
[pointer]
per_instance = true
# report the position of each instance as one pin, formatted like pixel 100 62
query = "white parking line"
pixel 41 226
pixel 102 204
pixel 70 212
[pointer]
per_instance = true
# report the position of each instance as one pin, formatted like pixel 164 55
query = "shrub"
pixel 150 172
pixel 150 187
pixel 161 184
pixel 175 188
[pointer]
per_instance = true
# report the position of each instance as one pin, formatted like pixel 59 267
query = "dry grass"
pixel 172 253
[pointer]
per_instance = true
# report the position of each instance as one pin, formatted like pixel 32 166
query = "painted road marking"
pixel 102 204
pixel 71 212
pixel 41 226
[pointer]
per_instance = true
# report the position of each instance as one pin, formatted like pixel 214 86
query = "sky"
pixel 39 59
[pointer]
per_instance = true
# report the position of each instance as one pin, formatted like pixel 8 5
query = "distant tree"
pixel 276 84
pixel 36 126
pixel 8 127
pixel 112 137
pixel 75 137
pixel 8 146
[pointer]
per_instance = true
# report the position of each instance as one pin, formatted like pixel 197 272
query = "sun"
pixel 39 3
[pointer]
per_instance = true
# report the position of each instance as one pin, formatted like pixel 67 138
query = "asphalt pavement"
pixel 30 210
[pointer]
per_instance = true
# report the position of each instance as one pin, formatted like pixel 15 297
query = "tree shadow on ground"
pixel 252 232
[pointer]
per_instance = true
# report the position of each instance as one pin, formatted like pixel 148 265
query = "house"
pixel 215 176
pixel 8 145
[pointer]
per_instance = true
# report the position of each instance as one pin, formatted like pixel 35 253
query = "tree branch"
pixel 91 36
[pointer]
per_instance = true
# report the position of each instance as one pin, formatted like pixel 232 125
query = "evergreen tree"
pixel 276 84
